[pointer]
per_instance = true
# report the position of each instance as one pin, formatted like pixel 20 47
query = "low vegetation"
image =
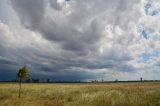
pixel 89 94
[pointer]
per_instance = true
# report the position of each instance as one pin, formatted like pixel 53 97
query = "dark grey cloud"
pixel 30 11
pixel 56 5
pixel 4 60
pixel 32 15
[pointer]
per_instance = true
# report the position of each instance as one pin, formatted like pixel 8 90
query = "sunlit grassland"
pixel 101 94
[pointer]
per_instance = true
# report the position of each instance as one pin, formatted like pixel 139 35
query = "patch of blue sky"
pixel 147 6
pixel 146 57
pixel 156 53
pixel 144 33
pixel 153 12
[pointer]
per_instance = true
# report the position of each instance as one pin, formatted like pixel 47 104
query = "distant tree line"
pixel 37 80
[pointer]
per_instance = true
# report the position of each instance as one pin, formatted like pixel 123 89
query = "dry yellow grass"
pixel 109 94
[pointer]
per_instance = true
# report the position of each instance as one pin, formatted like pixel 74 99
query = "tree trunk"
pixel 20 80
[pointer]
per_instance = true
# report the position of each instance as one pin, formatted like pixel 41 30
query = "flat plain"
pixel 81 94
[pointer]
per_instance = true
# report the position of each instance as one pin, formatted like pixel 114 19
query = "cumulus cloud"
pixel 80 39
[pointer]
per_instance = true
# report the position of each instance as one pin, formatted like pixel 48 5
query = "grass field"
pixel 102 94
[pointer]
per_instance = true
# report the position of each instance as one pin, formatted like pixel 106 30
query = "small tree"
pixel 22 74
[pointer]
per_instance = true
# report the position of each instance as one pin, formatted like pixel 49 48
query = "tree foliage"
pixel 23 73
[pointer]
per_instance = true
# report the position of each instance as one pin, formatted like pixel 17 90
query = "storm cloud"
pixel 80 39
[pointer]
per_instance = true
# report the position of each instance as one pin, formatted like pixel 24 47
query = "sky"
pixel 82 40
